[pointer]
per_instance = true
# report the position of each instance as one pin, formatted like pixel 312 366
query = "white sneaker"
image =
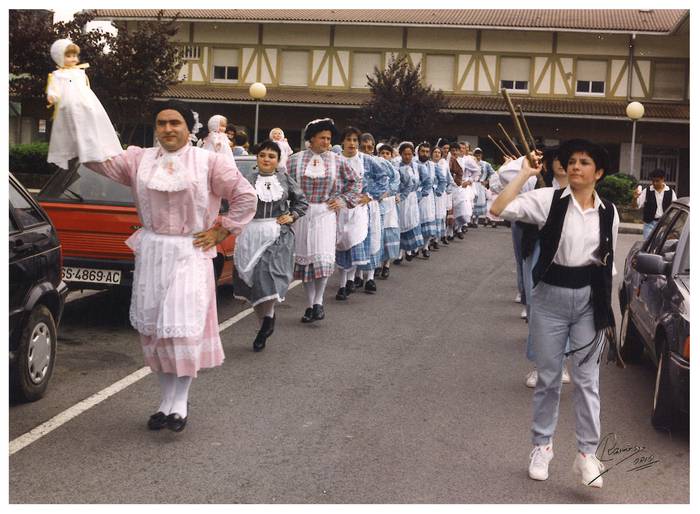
pixel 565 378
pixel 531 378
pixel 518 298
pixel 539 462
pixel 589 467
pixel 523 313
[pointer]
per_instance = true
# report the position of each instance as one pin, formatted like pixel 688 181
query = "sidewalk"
pixel 630 228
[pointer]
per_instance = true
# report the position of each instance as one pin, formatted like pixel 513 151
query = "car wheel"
pixel 662 413
pixel 35 356
pixel 631 346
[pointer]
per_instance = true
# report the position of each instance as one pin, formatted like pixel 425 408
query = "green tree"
pixel 127 70
pixel 400 105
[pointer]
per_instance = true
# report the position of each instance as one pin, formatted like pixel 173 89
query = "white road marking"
pixel 60 419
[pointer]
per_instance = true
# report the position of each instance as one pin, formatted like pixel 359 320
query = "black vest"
pixel 649 213
pixel 601 278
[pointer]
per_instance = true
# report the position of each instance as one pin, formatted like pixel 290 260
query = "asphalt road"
pixel 412 395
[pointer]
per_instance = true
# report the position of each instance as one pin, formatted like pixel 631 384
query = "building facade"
pixel 572 71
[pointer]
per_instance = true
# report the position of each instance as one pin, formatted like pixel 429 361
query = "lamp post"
pixel 635 111
pixel 258 91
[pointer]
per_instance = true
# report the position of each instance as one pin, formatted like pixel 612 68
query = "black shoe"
pixel 259 342
pixel 377 271
pixel 157 421
pixel 349 287
pixel 176 423
pixel 434 245
pixel 450 238
pixel 266 330
pixel 359 282
pixel 385 273
pixel 398 261
pixel 409 256
pixel 318 312
pixel 370 287
pixel 426 253
pixel 444 241
pixel 460 235
pixel 342 294
pixel 308 316
pixel 465 228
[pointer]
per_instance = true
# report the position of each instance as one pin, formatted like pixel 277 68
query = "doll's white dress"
pixel 81 127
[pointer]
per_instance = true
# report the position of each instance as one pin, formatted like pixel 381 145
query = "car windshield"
pixel 85 186
pixel 684 266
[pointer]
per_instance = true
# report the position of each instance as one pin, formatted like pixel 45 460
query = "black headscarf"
pixel 179 106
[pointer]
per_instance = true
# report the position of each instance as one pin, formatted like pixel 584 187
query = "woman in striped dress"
pixel 390 215
pixel 409 213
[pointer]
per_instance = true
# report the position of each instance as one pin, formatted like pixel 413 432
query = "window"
pixel 27 215
pixel 191 53
pixel 669 81
pixel 440 71
pixel 515 74
pixel 659 157
pixel 225 63
pixel 590 77
pixel 13 225
pixel 363 64
pixel 657 237
pixel 294 68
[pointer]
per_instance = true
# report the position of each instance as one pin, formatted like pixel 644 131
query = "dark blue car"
pixel 655 306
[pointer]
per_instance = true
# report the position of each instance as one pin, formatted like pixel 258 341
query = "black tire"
pixel 36 355
pixel 662 411
pixel 631 345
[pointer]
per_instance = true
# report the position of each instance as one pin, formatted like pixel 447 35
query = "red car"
pixel 94 216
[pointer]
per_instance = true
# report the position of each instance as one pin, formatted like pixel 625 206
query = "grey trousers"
pixel 517 236
pixel 558 314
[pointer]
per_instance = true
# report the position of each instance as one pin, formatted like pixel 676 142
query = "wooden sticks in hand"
pixel 519 128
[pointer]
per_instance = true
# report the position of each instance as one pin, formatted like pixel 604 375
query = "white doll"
pixel 277 135
pixel 217 140
pixel 81 127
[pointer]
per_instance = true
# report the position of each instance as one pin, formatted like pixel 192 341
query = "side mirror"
pixel 650 264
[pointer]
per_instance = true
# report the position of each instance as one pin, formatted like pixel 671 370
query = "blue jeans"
pixel 517 235
pixel 648 229
pixel 558 314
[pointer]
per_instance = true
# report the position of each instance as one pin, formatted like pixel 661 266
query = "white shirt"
pixel 642 198
pixel 580 235
pixel 509 171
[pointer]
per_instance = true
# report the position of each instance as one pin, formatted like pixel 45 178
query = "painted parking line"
pixel 64 417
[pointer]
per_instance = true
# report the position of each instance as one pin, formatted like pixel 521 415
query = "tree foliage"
pixel 127 70
pixel 400 105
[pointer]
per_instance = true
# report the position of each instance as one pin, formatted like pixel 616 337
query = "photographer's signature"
pixel 635 456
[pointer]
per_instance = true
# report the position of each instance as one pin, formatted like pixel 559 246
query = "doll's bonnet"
pixel 58 50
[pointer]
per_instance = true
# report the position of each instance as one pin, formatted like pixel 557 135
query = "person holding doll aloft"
pixel 217 140
pixel 81 127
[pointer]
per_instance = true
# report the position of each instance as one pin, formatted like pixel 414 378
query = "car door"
pixel 652 288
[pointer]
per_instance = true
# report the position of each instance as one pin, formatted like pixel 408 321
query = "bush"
pixel 30 159
pixel 617 188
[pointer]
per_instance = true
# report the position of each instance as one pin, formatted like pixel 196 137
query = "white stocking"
pixel 370 274
pixel 343 277
pixel 310 288
pixel 320 289
pixel 182 389
pixel 167 391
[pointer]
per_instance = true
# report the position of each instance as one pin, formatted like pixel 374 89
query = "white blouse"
pixel 580 235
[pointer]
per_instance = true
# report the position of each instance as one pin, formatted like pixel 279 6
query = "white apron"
pixel 375 229
pixel 409 216
pixel 257 236
pixel 351 228
pixel 448 201
pixel 441 206
pixel 427 208
pixel 314 235
pixel 459 202
pixel 391 216
pixel 169 293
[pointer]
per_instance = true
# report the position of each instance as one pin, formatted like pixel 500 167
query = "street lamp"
pixel 635 111
pixel 258 91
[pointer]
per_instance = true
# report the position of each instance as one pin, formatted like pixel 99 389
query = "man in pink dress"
pixel 178 190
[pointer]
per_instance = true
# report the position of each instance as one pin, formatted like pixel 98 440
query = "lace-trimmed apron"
pixel 169 297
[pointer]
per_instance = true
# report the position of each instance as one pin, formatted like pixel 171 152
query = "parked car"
pixel 94 217
pixel 37 295
pixel 655 306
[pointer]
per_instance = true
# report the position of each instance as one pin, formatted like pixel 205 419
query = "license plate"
pixel 96 276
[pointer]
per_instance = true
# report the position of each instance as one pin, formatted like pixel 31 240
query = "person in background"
pixel 654 199
pixel 231 135
pixel 391 233
pixel 241 142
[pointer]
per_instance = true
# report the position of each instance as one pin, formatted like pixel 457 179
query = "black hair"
pixel 657 173
pixel 406 145
pixel 268 144
pixel 231 128
pixel 348 131
pixel 424 144
pixel 366 136
pixel 595 151
pixel 548 157
pixel 384 146
pixel 455 145
pixel 241 138
pixel 314 127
